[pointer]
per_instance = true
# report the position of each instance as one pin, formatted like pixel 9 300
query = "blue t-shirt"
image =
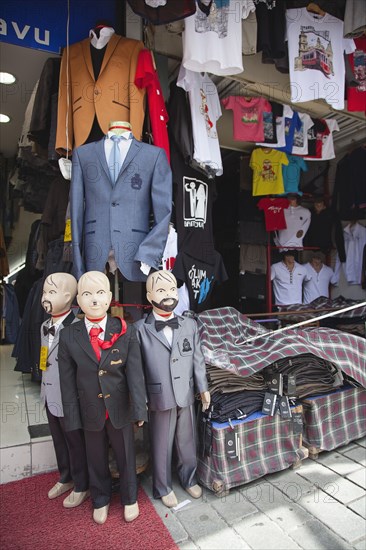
pixel 291 123
pixel 291 173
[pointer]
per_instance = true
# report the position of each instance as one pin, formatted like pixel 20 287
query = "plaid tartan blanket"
pixel 224 333
pixel 323 303
pixel 267 444
pixel 335 419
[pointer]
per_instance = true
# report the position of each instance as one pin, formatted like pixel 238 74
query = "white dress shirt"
pixel 101 324
pixel 168 331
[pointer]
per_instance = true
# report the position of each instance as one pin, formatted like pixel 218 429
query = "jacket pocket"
pixel 139 231
pixel 121 104
pixel 154 388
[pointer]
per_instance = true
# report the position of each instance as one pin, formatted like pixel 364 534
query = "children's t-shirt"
pixel 248 119
pixel 274 213
pixel 300 145
pixel 292 123
pixel 291 174
pixel 356 97
pixel 316 47
pixel 267 171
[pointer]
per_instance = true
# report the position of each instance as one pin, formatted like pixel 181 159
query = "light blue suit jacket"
pixel 119 217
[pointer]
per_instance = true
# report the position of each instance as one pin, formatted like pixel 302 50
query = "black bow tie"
pixel 51 330
pixel 172 323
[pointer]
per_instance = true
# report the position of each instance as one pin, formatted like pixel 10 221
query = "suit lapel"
pixel 132 152
pixel 99 148
pixel 85 46
pixel 113 326
pixel 111 46
pixel 150 325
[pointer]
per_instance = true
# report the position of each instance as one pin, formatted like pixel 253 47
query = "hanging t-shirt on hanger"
pixel 324 143
pixel 212 37
pixel 292 123
pixel 356 97
pixel 267 171
pixel 248 116
pixel 275 137
pixel 316 135
pixel 316 46
pixel 205 111
pixel 292 172
pixel 274 212
pixel 300 146
pixel 200 275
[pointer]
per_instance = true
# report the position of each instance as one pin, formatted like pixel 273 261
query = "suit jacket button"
pixel 101 372
pixel 96 92
pixel 107 395
pixel 100 395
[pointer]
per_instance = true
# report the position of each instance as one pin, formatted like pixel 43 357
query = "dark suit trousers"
pixel 174 426
pixel 123 445
pixel 70 453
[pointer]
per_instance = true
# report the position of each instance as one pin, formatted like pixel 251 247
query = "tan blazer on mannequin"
pixel 113 96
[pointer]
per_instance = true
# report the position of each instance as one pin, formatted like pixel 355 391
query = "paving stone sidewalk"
pixel 321 505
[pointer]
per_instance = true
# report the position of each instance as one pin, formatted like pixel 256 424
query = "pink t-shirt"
pixel 247 116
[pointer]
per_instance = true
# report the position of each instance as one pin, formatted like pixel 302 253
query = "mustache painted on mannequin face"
pixel 47 306
pixel 164 305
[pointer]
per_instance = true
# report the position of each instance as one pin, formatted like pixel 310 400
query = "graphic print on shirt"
pixel 359 71
pixel 200 283
pixel 195 194
pixel 249 115
pixel 315 51
pixel 268 174
pixel 204 111
pixel 214 18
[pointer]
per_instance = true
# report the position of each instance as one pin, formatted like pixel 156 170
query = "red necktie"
pixel 93 335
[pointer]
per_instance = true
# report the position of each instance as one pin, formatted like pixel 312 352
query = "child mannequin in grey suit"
pixel 59 291
pixel 174 369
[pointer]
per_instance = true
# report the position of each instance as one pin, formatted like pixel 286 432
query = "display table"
pixel 334 419
pixel 266 444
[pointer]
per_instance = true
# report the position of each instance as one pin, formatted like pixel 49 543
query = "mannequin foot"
pixel 100 514
pixel 59 489
pixel 75 499
pixel 195 491
pixel 170 500
pixel 131 511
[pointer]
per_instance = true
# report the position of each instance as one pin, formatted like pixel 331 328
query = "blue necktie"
pixel 115 158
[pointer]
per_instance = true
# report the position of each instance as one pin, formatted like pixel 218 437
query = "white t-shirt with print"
pixel 300 146
pixel 328 143
pixel 316 47
pixel 205 111
pixel 214 43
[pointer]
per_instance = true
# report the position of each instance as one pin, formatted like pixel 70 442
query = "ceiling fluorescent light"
pixel 7 78
pixel 4 118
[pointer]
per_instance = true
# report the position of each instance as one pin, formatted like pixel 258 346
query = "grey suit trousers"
pixel 173 426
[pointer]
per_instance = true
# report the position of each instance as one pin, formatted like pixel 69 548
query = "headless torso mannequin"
pixel 59 291
pixel 102 385
pixel 174 369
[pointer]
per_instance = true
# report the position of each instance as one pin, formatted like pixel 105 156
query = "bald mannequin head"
pixel 94 295
pixel 162 292
pixel 59 291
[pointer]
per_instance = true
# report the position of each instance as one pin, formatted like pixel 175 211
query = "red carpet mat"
pixel 30 520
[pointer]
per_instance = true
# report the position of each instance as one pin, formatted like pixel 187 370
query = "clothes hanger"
pixel 314 8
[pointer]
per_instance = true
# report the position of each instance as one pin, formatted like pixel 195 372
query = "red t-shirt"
pixel 356 97
pixel 147 77
pixel 274 213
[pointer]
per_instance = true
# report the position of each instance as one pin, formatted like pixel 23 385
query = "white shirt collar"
pixel 161 318
pixel 126 135
pixel 104 36
pixel 90 324
pixel 58 320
